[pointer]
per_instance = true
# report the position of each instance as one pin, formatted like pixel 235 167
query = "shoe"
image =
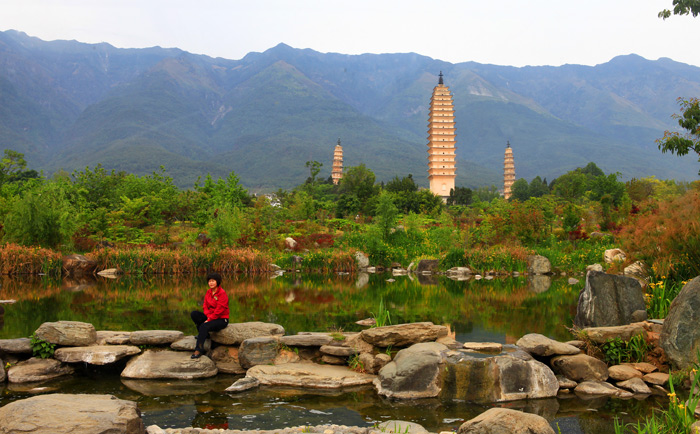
pixel 196 356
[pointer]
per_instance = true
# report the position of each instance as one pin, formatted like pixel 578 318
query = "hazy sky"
pixel 506 32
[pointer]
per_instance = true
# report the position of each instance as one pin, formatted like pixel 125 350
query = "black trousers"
pixel 203 328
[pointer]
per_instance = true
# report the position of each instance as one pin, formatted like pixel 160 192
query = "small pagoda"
pixel 337 172
pixel 441 141
pixel 508 171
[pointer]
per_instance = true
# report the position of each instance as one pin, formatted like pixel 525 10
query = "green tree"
pixel 359 181
pixel 13 167
pixel 386 214
pixel 689 119
pixel 520 190
pixel 538 187
pixel 682 7
pixel 460 196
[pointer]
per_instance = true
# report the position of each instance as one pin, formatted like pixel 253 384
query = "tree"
pixel 314 169
pixel 520 190
pixel 13 167
pixel 358 181
pixel 386 213
pixel 460 196
pixel 676 143
pixel 682 7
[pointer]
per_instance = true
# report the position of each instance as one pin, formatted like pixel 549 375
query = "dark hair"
pixel 215 276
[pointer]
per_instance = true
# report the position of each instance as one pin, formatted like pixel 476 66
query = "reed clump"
pixel 16 259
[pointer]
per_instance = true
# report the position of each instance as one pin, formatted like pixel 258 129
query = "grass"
pixel 659 296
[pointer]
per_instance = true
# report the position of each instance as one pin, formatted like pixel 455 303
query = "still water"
pixel 499 310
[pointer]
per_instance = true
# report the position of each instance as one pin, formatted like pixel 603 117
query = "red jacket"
pixel 215 305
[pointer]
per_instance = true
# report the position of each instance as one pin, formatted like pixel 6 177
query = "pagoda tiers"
pixel 508 171
pixel 337 172
pixel 441 141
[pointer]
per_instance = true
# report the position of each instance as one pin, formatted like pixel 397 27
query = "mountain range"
pixel 69 105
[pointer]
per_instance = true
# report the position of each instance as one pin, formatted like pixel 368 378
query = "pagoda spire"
pixel 508 171
pixel 441 141
pixel 337 172
pixel 440 80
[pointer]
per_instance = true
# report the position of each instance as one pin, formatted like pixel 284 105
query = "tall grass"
pixel 16 259
pixel 659 296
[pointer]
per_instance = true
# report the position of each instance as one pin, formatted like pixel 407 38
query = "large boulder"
pixel 78 265
pixel 71 414
pixel 16 346
pixel 35 369
pixel 308 375
pixel 580 367
pixel 96 354
pixel 402 335
pixel 540 345
pixel 428 266
pixel 67 333
pixel 538 264
pixel 258 351
pixel 226 359
pixel 610 300
pixel 512 375
pixel 168 364
pixel 506 421
pixel 680 336
pixel 362 260
pixel 414 372
pixel 236 333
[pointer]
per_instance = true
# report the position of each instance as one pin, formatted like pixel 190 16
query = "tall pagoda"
pixel 337 172
pixel 441 141
pixel 508 171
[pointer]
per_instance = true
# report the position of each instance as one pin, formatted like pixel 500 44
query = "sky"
pixel 505 32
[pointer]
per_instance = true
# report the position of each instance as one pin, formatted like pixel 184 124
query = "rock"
pixel 489 347
pixel 290 243
pixel 109 272
pixel 656 378
pixel 74 414
pixel 333 360
pixel 637 269
pixel 168 364
pixel 357 343
pixel 572 281
pixel 513 375
pixel 565 383
pixel 95 355
pixel 78 265
pixel 403 334
pixel 506 421
pixel 459 272
pixel 338 350
pixel 34 369
pixel 168 387
pixel 226 360
pixel 398 272
pixel 155 337
pixel 68 333
pixel 3 374
pixel 614 255
pixel 540 345
pixel 427 266
pixel 594 267
pixel 306 340
pixel 187 343
pixel 243 384
pixel 538 283
pixel 401 427
pixel 635 385
pixel 642 367
pixel 414 372
pixel 580 367
pixel 362 260
pixel 258 351
pixel 106 337
pixel 308 375
pixel 695 428
pixel 608 300
pixel 538 264
pixel 236 333
pixel 601 335
pixel 286 356
pixel 623 372
pixel 680 336
pixel 16 346
pixel 600 388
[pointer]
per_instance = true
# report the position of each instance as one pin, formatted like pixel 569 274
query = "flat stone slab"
pixel 338 350
pixel 307 340
pixel 656 378
pixel 635 385
pixel 96 354
pixel 540 345
pixel 169 364
pixel 16 346
pixel 642 367
pixel 188 343
pixel 67 333
pixel 308 375
pixel 623 372
pixel 243 384
pixel 36 369
pixel 601 388
pixel 601 335
pixel 155 337
pixel 108 337
pixel 402 335
pixel 75 414
pixel 236 333
pixel 489 347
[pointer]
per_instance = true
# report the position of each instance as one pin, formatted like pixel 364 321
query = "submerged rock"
pixel 503 420
pixel 308 375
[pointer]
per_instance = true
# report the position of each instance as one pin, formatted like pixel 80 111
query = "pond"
pixel 499 310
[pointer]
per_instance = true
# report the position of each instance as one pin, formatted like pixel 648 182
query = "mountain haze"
pixel 68 105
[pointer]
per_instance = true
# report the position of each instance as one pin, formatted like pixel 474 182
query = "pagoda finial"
pixel 507 143
pixel 440 81
pixel 338 141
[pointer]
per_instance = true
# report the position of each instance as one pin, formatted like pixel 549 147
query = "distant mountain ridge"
pixel 68 105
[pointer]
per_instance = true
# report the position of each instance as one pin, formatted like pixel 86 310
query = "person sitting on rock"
pixel 215 315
